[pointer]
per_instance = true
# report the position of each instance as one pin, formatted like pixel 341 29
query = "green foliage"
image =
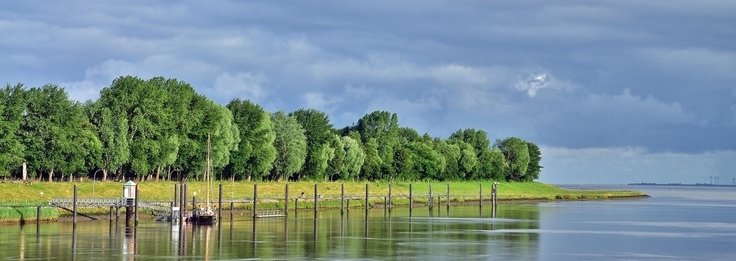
pixel 516 155
pixel 290 144
pixel 256 152
pixel 12 150
pixel 141 128
pixel 318 131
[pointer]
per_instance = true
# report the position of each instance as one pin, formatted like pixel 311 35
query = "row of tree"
pixel 158 128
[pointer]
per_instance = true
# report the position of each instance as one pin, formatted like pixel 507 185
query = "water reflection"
pixel 326 235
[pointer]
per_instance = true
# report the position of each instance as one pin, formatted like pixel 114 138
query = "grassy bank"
pixel 40 192
pixel 27 214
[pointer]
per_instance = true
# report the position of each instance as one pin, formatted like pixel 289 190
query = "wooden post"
pixel 176 195
pixel 315 201
pixel 231 211
pixel 286 199
pixel 111 207
pixel 390 202
pixel 184 191
pixel 439 205
pixel 448 198
pixel 38 214
pixel 342 199
pixel 219 205
pixel 411 199
pixel 366 201
pixel 74 219
pixel 255 201
pixel 431 200
pixel 136 205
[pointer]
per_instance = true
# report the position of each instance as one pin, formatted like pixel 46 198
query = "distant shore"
pixel 682 184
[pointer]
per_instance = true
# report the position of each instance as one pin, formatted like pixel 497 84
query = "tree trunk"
pixel 158 172
pixel 51 174
pixel 104 174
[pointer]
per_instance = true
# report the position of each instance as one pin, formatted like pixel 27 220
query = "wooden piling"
pixel 431 200
pixel 411 199
pixel 74 219
pixel 286 199
pixel 315 201
pixel 219 205
pixel 448 198
pixel 255 201
pixel 342 199
pixel 366 201
pixel 390 202
pixel 136 204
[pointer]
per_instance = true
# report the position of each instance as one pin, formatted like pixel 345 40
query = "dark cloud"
pixel 578 76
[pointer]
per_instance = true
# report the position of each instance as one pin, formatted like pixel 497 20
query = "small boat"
pixel 205 216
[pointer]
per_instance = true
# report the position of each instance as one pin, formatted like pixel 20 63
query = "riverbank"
pixel 329 193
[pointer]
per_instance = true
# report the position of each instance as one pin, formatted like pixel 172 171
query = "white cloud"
pixel 242 85
pixel 533 83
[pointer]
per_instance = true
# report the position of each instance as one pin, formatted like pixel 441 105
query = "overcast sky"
pixel 612 91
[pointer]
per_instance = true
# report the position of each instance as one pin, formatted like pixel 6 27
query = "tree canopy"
pixel 159 128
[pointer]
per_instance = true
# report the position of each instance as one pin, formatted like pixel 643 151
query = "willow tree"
pixel 12 106
pixel 318 131
pixel 290 144
pixel 256 152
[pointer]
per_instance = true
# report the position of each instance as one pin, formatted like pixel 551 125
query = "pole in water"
pixel 448 199
pixel 431 200
pixel 286 199
pixel 389 196
pixel 136 205
pixel 219 205
pixel 315 201
pixel 366 201
pixel 342 200
pixel 411 199
pixel 255 202
pixel 74 219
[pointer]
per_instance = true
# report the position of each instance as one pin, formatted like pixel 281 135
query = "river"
pixel 676 223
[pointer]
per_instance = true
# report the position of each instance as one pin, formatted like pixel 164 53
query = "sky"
pixel 613 92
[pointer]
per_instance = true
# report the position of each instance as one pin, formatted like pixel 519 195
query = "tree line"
pixel 158 129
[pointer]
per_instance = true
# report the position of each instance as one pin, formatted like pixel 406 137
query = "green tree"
pixel 384 127
pixel 372 165
pixel 354 158
pixel 516 155
pixel 12 150
pixel 111 131
pixel 57 135
pixel 534 168
pixel 318 131
pixel 290 144
pixel 256 152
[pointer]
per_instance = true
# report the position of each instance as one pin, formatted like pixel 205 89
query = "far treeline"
pixel 158 129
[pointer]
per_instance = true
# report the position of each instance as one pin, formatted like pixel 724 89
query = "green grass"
pixel 27 214
pixel 275 191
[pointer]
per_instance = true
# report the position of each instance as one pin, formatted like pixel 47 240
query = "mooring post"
pixel 390 202
pixel 182 201
pixel 111 210
pixel 255 201
pixel 366 201
pixel 38 214
pixel 176 195
pixel 219 205
pixel 74 219
pixel 136 205
pixel 431 199
pixel 342 199
pixel 315 200
pixel 439 206
pixel 448 199
pixel 385 206
pixel 411 199
pixel 231 211
pixel 286 199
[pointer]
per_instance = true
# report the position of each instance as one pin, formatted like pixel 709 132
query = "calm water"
pixel 677 223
